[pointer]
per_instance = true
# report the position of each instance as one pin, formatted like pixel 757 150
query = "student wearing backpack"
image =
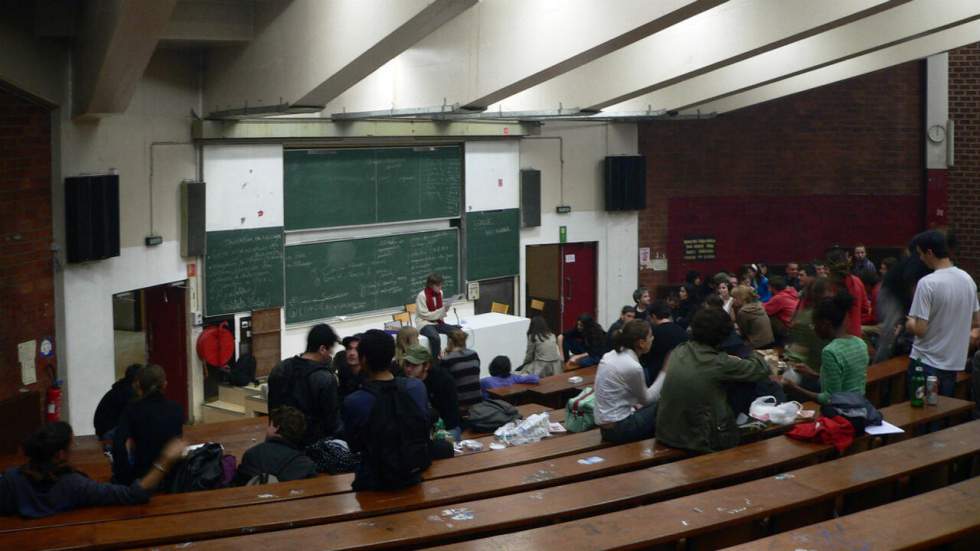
pixel 625 407
pixel 305 382
pixel 145 427
pixel 386 420
pixel 279 458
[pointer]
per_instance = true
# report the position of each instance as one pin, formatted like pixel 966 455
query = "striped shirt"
pixel 464 366
pixel 843 367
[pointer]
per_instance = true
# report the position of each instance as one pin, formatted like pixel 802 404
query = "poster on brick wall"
pixel 699 248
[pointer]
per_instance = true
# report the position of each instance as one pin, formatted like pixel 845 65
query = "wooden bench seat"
pixel 320 486
pixel 571 499
pixel 531 472
pixel 732 515
pixel 940 517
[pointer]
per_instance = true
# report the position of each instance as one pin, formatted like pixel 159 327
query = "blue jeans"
pixel 432 332
pixel 641 424
pixel 947 379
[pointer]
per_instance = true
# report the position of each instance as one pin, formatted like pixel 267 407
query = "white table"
pixel 492 335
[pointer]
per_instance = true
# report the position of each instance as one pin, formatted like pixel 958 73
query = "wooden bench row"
pixel 335 508
pixel 945 516
pixel 536 506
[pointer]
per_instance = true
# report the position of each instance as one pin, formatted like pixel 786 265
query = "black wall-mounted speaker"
pixel 530 198
pixel 192 219
pixel 92 217
pixel 626 187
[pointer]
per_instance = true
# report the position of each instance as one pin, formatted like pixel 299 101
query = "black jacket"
pixel 111 407
pixel 278 457
pixel 314 392
pixel 71 490
pixel 441 388
pixel 348 381
pixel 151 422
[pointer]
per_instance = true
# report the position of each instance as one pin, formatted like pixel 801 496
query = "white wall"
pixel 150 142
pixel 583 146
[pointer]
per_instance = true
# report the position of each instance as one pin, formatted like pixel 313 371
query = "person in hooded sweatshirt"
pixel 145 427
pixel 781 307
pixel 114 402
pixel 47 484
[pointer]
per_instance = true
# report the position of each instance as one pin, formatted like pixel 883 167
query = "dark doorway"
pixel 166 336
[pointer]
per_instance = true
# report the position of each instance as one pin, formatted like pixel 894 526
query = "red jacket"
pixel 782 305
pixel 856 288
pixel 870 315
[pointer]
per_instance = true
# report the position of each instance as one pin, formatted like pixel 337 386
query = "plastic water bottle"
pixel 918 386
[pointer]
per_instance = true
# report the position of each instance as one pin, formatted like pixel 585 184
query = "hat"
pixel 352 338
pixel 417 355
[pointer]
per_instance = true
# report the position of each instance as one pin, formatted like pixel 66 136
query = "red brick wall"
pixel 26 278
pixel 964 176
pixel 785 179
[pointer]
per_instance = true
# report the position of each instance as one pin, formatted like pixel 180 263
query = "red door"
pixel 166 337
pixel 578 282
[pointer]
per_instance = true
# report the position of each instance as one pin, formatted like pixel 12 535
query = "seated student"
pixel 724 292
pixel 113 403
pixel 346 365
pixel 694 413
pixel 430 312
pixel 407 336
pixel 584 345
pixel 781 306
pixel 642 298
pixel 386 420
pixel 48 484
pixel 307 383
pixel 793 275
pixel 463 364
pixel 626 314
pixel 145 427
pixel 439 386
pixel 281 455
pixel 500 376
pixel 625 407
pixel 751 318
pixel 543 357
pixel 805 345
pixel 733 344
pixel 844 362
pixel 666 336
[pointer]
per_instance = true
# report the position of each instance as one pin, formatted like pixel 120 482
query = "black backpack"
pixel 202 469
pixel 396 439
pixel 282 380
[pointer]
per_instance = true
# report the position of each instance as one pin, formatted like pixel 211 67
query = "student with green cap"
pixel 440 386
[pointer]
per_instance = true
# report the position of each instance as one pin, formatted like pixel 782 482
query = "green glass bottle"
pixel 918 386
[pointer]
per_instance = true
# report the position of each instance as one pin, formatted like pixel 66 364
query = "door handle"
pixel 568 288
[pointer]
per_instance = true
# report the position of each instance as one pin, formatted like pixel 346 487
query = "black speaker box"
pixel 192 219
pixel 626 187
pixel 92 217
pixel 530 198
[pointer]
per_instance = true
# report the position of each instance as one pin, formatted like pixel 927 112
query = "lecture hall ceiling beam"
pixel 500 47
pixel 918 48
pixel 306 52
pixel 719 37
pixel 891 28
pixel 114 46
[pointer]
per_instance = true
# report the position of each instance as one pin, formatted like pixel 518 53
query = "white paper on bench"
pixel 884 428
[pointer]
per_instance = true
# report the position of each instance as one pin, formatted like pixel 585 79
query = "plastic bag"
pixel 767 408
pixel 532 429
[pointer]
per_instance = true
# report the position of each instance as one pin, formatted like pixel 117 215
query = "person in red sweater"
pixel 782 305
pixel 841 278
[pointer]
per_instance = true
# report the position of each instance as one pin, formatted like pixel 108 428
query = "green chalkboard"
pixel 492 243
pixel 327 188
pixel 243 270
pixel 361 275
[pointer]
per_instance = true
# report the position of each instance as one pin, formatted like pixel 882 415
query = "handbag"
pixel 580 411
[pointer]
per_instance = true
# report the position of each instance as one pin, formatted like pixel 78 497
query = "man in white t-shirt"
pixel 945 314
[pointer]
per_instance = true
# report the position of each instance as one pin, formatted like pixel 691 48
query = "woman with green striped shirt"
pixel 844 361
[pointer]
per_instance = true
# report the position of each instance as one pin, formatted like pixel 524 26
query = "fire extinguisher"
pixel 52 405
